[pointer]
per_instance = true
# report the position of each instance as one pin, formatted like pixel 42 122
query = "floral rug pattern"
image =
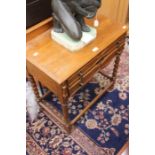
pixel 50 138
pixel 103 130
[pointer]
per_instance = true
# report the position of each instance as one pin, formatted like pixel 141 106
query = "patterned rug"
pixel 103 130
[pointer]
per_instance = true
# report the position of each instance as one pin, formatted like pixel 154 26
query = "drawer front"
pixel 109 57
pixel 117 44
pixel 83 77
pixel 74 87
pixel 74 78
pixel 80 78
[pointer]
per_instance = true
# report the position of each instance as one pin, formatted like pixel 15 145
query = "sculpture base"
pixel 72 45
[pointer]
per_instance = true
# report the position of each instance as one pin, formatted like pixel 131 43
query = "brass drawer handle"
pixel 81 84
pixel 80 74
pixel 99 62
pixel 117 44
pixel 81 78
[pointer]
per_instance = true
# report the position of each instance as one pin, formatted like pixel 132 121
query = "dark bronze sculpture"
pixel 69 16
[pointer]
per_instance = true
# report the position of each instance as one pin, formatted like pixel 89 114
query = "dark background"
pixel 36 11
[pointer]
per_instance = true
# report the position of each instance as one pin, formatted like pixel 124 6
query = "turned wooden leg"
pixel 34 87
pixel 115 69
pixel 66 117
pixel 64 105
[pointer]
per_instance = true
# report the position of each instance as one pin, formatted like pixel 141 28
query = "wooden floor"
pixel 126 152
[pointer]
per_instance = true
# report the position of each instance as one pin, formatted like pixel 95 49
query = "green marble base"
pixel 72 45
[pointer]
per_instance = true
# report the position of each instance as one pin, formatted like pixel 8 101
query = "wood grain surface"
pixel 57 62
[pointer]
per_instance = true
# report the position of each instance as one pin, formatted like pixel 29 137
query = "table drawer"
pixel 109 57
pixel 117 44
pixel 75 77
pixel 74 87
pixel 80 78
pixel 83 77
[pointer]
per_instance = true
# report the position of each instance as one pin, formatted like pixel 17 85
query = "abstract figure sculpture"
pixel 68 16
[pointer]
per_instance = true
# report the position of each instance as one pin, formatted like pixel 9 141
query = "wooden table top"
pixel 59 63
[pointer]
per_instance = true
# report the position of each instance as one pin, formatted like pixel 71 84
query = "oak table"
pixel 64 72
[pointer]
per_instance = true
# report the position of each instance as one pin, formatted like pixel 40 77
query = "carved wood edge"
pixel 37 26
